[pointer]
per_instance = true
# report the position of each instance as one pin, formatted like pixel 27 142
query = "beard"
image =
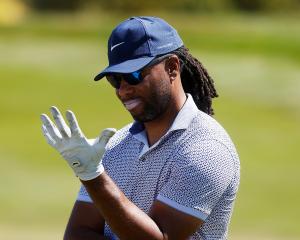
pixel 156 103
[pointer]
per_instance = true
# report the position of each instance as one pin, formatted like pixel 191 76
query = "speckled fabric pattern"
pixel 193 168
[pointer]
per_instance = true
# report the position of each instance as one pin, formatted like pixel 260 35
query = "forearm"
pixel 82 234
pixel 125 219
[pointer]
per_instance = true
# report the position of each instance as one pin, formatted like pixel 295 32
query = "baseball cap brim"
pixel 128 66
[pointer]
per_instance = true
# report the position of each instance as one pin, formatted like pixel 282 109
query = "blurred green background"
pixel 50 52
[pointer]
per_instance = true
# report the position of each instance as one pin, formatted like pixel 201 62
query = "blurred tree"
pixel 184 5
pixel 179 5
pixel 248 5
pixel 281 5
pixel 266 5
pixel 56 5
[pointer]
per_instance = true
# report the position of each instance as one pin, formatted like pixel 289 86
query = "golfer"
pixel 171 174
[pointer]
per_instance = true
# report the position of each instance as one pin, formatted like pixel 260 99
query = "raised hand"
pixel 83 155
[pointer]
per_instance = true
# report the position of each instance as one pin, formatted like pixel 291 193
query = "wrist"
pixel 92 174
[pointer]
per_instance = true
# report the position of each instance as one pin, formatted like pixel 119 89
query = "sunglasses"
pixel 133 78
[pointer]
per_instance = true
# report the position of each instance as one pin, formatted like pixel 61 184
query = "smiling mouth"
pixel 131 104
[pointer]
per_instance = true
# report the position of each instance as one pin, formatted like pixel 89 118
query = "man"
pixel 174 172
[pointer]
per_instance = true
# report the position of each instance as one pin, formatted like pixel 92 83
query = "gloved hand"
pixel 83 155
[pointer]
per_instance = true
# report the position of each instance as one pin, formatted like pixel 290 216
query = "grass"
pixel 51 60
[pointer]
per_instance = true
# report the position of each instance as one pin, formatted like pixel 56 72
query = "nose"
pixel 125 89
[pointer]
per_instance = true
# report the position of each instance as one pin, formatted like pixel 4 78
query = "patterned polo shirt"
pixel 193 168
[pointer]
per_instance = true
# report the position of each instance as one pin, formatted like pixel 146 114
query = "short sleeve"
pixel 83 195
pixel 199 177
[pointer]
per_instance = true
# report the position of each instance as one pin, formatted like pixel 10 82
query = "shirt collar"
pixel 185 115
pixel 182 120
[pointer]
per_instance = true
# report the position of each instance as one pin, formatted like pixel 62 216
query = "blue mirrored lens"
pixel 133 78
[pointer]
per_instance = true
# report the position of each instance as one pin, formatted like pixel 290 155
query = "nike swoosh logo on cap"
pixel 116 45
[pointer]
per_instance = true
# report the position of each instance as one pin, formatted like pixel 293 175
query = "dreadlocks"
pixel 196 80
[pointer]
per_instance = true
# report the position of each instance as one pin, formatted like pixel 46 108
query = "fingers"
pixel 47 136
pixel 60 122
pixel 50 128
pixel 106 134
pixel 103 139
pixel 74 127
pixel 61 129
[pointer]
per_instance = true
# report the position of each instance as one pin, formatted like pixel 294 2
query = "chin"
pixel 146 114
pixel 140 118
pixel 144 117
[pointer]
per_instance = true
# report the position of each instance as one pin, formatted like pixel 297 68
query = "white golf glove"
pixel 83 155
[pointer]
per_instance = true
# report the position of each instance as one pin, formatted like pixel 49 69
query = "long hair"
pixel 196 80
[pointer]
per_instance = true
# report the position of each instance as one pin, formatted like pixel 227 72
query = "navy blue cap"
pixel 135 42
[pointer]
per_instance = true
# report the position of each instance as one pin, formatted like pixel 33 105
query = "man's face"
pixel 149 99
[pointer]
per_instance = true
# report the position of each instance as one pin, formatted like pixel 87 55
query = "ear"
pixel 172 67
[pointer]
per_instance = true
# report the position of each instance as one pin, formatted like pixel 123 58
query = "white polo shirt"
pixel 193 168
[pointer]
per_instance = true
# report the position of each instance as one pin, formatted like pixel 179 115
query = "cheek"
pixel 164 88
pixel 156 82
pixel 156 77
pixel 162 82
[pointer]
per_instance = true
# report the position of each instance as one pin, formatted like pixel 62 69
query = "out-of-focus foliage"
pixel 184 5
pixel 180 5
pixel 264 5
pixel 55 5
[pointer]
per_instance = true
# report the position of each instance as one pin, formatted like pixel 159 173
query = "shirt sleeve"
pixel 200 176
pixel 83 195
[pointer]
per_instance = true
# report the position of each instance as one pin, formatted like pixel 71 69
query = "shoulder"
pixel 206 135
pixel 206 127
pixel 204 167
pixel 206 144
